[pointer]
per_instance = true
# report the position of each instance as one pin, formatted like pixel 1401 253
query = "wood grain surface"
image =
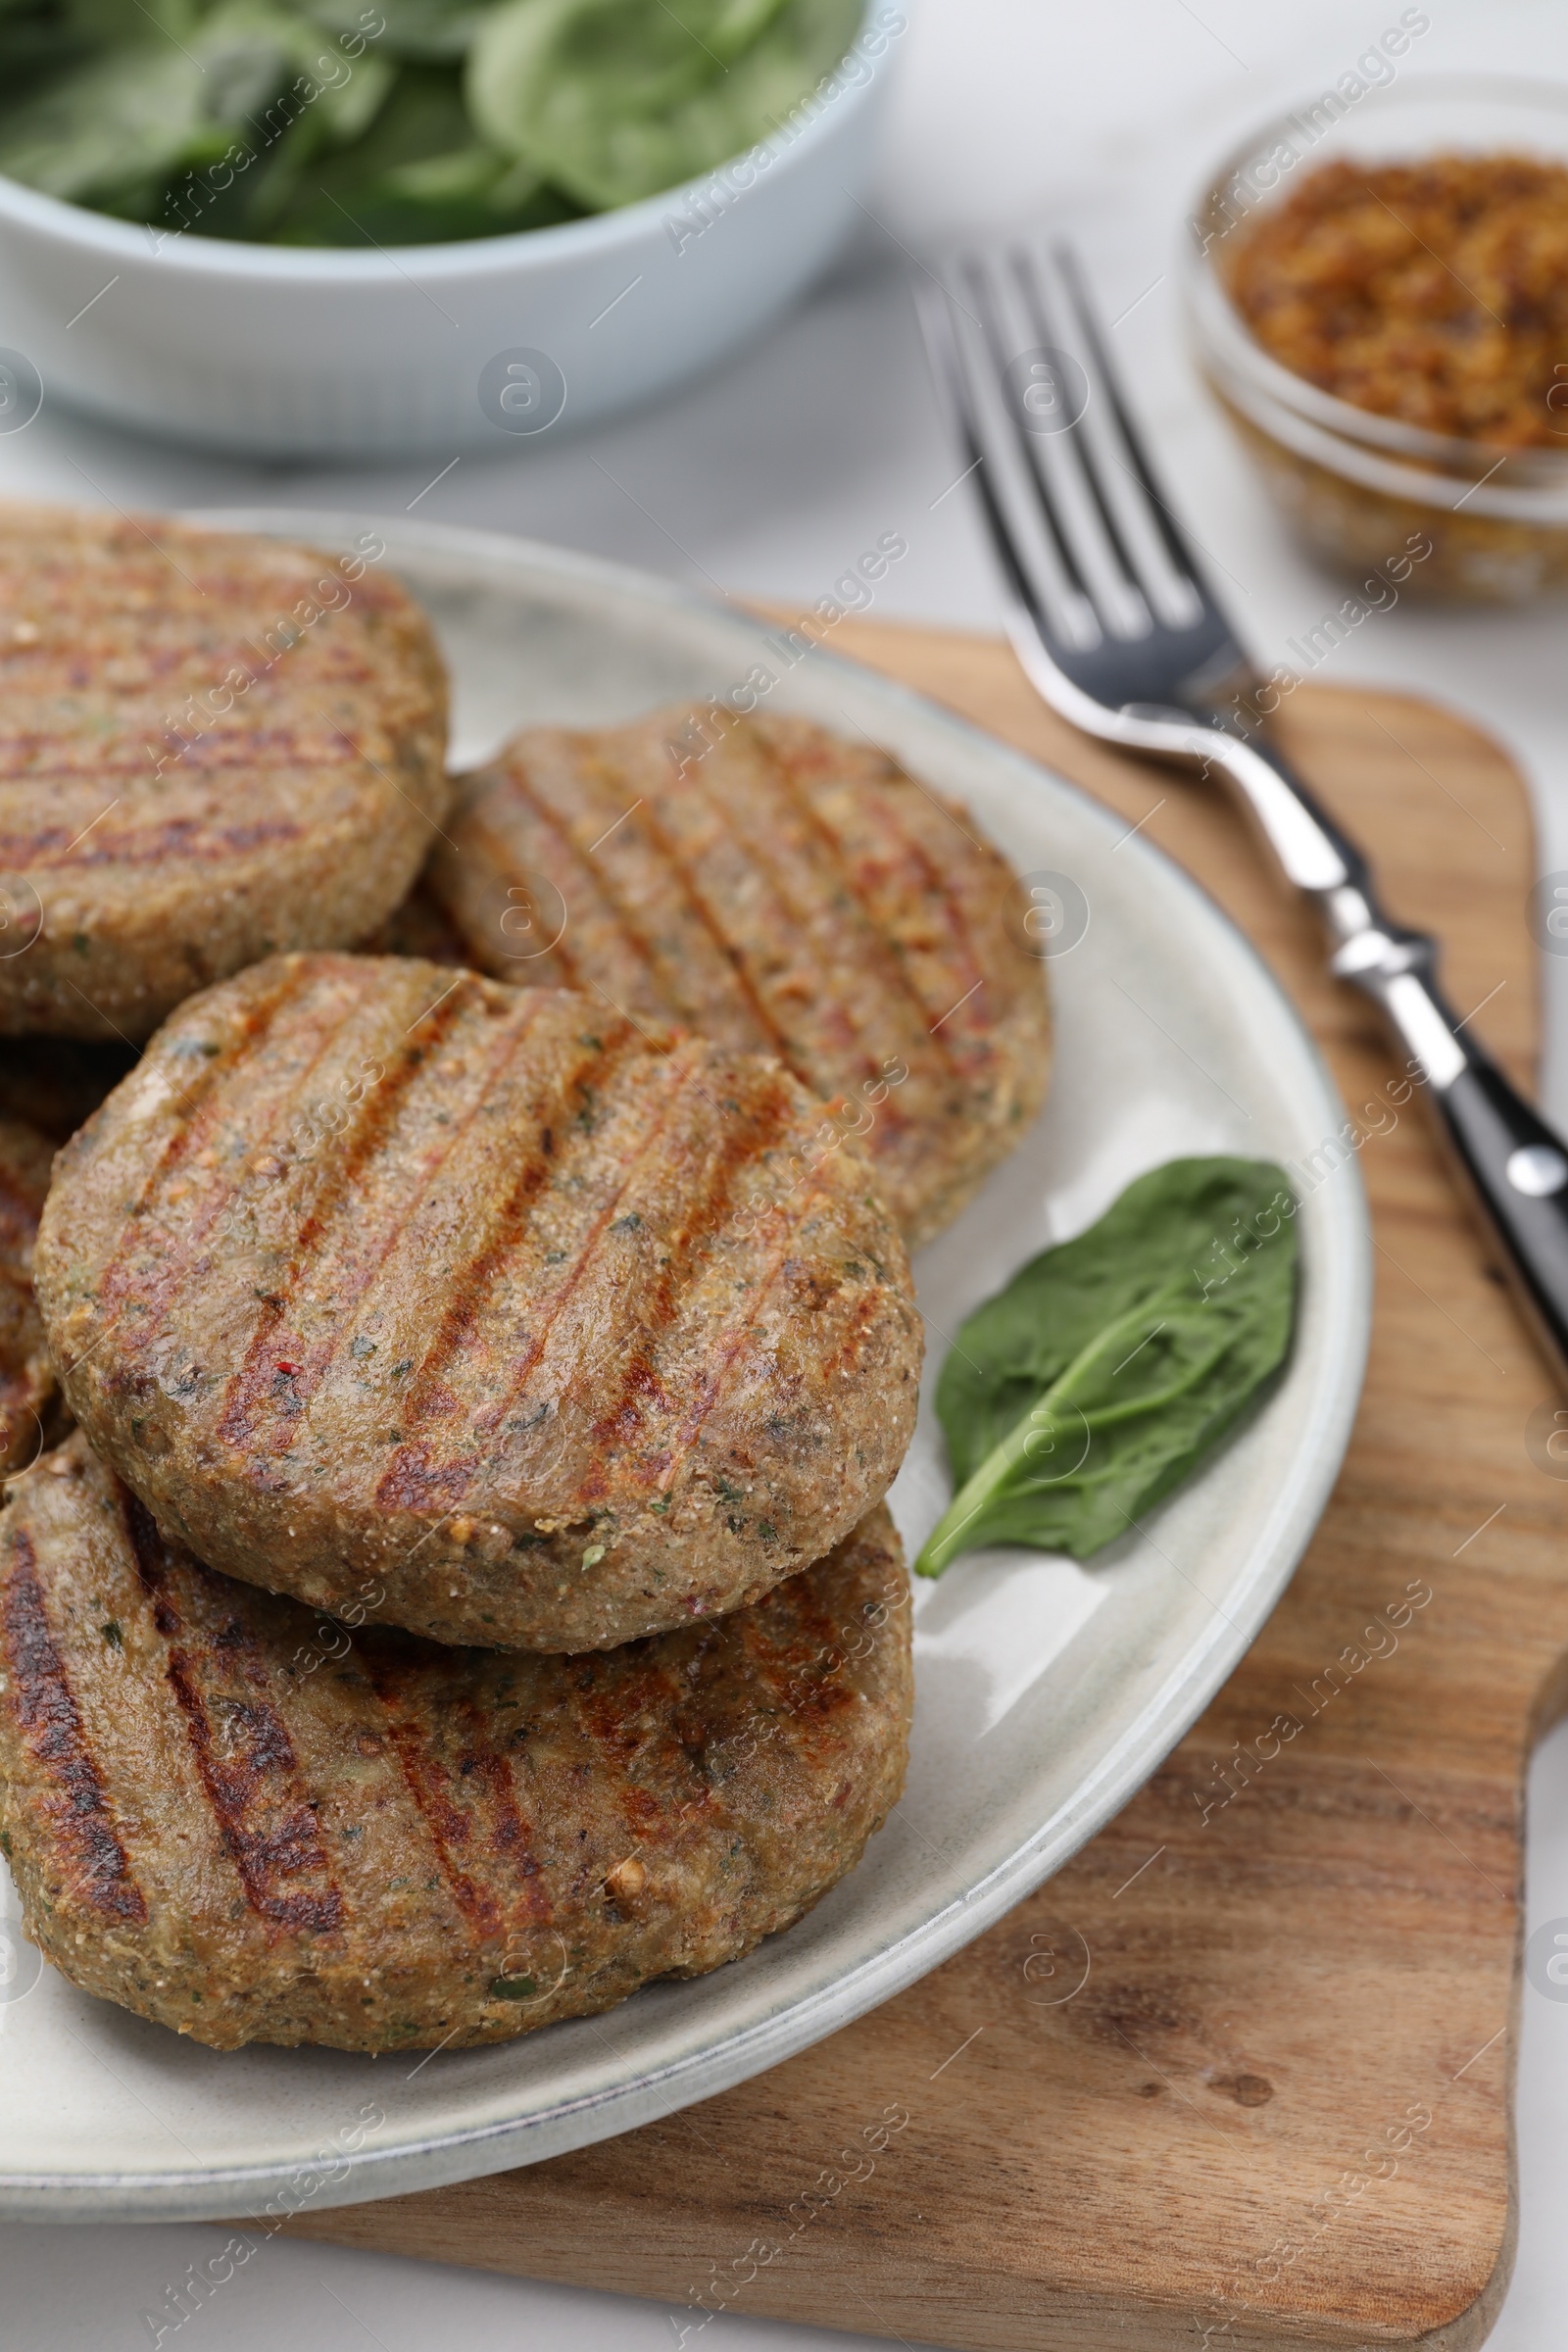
pixel 1276 2113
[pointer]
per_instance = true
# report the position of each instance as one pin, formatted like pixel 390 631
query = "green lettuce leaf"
pixel 417 176
pixel 429 31
pixel 615 100
pixel 122 121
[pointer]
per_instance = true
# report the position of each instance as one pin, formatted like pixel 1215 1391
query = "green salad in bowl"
pixel 375 123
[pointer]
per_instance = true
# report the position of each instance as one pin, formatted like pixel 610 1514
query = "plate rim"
pixel 441 2158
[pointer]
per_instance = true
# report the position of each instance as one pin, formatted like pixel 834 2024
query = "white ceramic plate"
pixel 1046 1691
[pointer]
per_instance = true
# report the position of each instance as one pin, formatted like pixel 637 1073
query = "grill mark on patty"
pixel 410 1478
pixel 471 1281
pixel 724 1351
pixel 265 1825
pixel 40 757
pixel 884 947
pixel 731 953
pixel 487 1767
pixel 207 1109
pixel 798 919
pixel 614 1715
pixel 255 1380
pixel 515 779
pixel 447 1826
pixel 51 1721
pixel 843 1355
pixel 36 753
pixel 980 1049
pixel 237 1785
pixel 149 1554
pixel 662 983
pixel 181 837
pixel 499 852
pixel 740 1147
pixel 510 1837
pixel 895 1131
pixel 786 1653
pixel 590 753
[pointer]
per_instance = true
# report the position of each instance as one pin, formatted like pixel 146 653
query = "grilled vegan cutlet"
pixel 374 1271
pixel 28 1396
pixel 252 1826
pixel 780 891
pixel 211 747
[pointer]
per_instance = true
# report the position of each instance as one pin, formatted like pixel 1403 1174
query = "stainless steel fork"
pixel 1120 631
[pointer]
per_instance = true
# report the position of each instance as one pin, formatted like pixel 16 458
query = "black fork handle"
pixel 1515 1170
pixel 1512 1166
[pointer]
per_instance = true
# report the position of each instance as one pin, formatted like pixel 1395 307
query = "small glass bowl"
pixel 1362 490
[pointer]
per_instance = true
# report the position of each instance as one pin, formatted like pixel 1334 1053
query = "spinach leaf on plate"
pixel 1112 1364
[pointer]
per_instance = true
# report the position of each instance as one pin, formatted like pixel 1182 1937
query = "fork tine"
pixel 1074 448
pixel 1039 573
pixel 947 365
pixel 1106 606
pixel 1139 469
pixel 1058 483
pixel 1083 562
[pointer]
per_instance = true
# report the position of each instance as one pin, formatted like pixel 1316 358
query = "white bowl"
pixel 280 352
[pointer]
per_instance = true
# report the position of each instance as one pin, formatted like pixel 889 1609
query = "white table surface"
pixel 767 481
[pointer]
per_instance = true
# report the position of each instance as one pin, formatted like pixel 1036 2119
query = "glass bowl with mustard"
pixel 1378 291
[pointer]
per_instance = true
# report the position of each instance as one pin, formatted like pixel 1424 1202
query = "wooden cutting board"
pixel 1276 2110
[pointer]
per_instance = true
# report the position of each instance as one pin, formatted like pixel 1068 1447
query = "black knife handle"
pixel 1517 1172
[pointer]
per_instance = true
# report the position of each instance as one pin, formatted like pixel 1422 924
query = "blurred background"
pixel 764 478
